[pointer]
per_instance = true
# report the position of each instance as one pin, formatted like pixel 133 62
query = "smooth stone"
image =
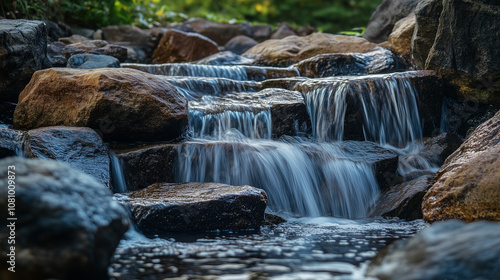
pixel 92 61
pixel 240 44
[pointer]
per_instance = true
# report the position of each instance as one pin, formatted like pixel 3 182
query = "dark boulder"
pixel 56 55
pixel 23 50
pixel 240 44
pixel 92 61
pixel 385 17
pixel 56 31
pixel 68 224
pixel 446 250
pixel 188 207
pixel 442 145
pixel 427 15
pixel 80 147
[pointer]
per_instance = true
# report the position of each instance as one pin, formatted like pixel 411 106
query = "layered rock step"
pixel 186 207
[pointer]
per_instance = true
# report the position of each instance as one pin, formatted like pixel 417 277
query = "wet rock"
pixel 468 58
pixel 225 58
pixel 339 64
pixel 56 31
pixel 446 250
pixel 443 145
pixel 23 50
pixel 146 166
pixel 123 104
pixel 400 39
pixel 11 141
pixel 73 39
pixel 385 17
pixel 259 32
pixel 92 61
pixel 290 50
pixel 240 44
pixel 272 220
pixel 178 46
pixel 427 15
pixel 68 224
pixel 219 32
pixel 55 54
pixel 285 83
pixel 7 114
pixel 96 46
pixel 136 40
pixel 466 187
pixel 187 207
pixel 403 200
pixel 283 31
pixel 80 147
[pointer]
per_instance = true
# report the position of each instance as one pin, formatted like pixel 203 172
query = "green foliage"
pixel 328 16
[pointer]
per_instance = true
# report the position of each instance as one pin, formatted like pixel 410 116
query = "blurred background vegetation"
pixel 328 16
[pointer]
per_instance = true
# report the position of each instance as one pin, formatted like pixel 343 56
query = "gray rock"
pixel 55 54
pixel 187 207
pixel 92 61
pixel 85 32
pixel 240 44
pixel 427 15
pixel 445 251
pixel 225 58
pixel 23 50
pixel 385 17
pixel 56 31
pixel 10 142
pixel 68 224
pixel 80 147
pixel 283 31
pixel 443 145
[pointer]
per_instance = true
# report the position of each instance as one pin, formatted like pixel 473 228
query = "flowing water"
pixel 324 189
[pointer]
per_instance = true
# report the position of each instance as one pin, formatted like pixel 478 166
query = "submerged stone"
pixel 187 207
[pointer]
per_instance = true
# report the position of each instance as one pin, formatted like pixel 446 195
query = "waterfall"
pixel 117 177
pixel 193 70
pixel 198 88
pixel 308 179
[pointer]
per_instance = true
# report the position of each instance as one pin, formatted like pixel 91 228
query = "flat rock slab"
pixel 163 208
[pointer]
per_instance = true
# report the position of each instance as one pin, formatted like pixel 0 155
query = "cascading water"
pixel 192 70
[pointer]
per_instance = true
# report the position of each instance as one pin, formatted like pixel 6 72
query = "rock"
pixel 85 32
pixel 23 50
pixel 7 114
pixel 92 61
pixel 468 57
pixel 140 41
pixel 80 147
pixel 427 15
pixel 11 142
pixel 219 32
pixel 385 17
pixel 283 31
pixel 73 39
pixel 400 38
pixel 98 35
pixel 178 46
pixel 466 187
pixel 272 220
pixel 123 104
pixel 403 200
pixel 446 250
pixel 293 49
pixel 188 207
pixel 56 31
pixel 240 44
pixel 96 46
pixel 225 58
pixel 443 145
pixel 55 54
pixel 67 227
pixel 340 64
pixel 259 32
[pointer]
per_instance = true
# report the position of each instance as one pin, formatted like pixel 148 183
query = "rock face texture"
pixel 23 50
pixel 123 104
pixel 446 250
pixel 178 46
pixel 401 36
pixel 68 224
pixel 466 186
pixel 385 17
pixel 186 207
pixel 80 147
pixel 468 56
pixel 427 15
pixel 292 49
pixel 10 142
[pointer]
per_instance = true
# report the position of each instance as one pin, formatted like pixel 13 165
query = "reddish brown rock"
pixel 467 185
pixel 123 104
pixel 293 49
pixel 178 46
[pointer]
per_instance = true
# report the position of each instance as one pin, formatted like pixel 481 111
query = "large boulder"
pixel 123 104
pixel 96 46
pixel 11 142
pixel 427 15
pixel 80 147
pixel 400 39
pixel 178 46
pixel 292 49
pixel 446 250
pixel 340 64
pixel 93 61
pixel 468 56
pixel 240 44
pixel 188 207
pixel 23 50
pixel 67 226
pixel 466 186
pixel 385 17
